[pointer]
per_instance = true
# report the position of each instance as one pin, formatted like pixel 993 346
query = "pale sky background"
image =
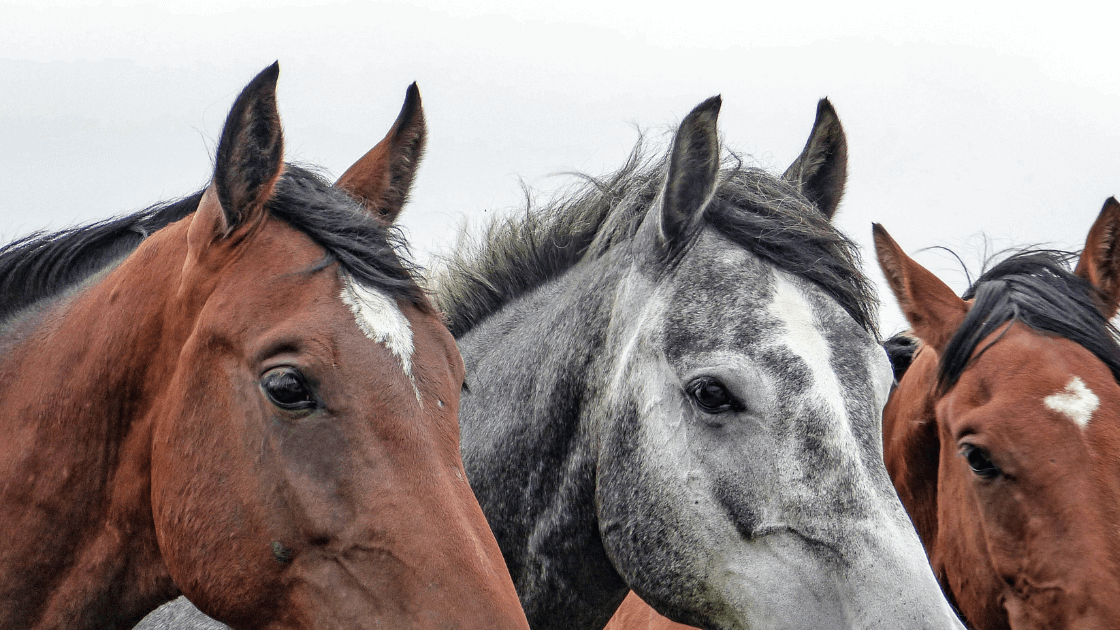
pixel 969 125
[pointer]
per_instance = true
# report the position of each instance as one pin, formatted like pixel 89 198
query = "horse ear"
pixel 1100 260
pixel 931 307
pixel 693 170
pixel 382 177
pixel 250 153
pixel 821 170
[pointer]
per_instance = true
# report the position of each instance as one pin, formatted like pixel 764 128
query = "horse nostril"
pixel 281 553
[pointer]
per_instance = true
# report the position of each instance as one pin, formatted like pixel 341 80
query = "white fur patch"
pixel 381 320
pixel 1076 402
pixel 804 338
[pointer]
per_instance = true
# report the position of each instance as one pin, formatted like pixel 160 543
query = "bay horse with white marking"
pixel 1003 435
pixel 254 405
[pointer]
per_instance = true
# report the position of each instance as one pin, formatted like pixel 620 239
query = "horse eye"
pixel 287 389
pixel 980 461
pixel 712 396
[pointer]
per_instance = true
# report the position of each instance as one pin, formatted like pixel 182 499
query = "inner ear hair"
pixel 693 173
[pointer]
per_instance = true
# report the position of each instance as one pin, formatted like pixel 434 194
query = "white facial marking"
pixel 804 338
pixel 1076 402
pixel 380 319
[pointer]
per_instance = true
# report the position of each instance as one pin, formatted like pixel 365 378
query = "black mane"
pixel 375 254
pixel 42 265
pixel 1037 289
pixel 758 211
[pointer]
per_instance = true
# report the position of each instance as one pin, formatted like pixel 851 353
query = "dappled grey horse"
pixel 674 385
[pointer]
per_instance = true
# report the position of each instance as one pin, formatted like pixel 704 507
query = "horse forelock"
pixel 756 210
pixel 769 217
pixel 373 253
pixel 1035 288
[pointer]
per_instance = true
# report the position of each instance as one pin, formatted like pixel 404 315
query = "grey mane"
pixel 758 211
pixel 518 253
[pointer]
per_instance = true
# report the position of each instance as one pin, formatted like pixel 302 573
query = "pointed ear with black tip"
pixel 382 177
pixel 933 310
pixel 693 171
pixel 1100 260
pixel 250 155
pixel 821 170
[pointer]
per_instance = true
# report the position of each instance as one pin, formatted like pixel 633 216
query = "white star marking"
pixel 1076 402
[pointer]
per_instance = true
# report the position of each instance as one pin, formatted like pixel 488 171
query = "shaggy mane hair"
pixel 751 207
pixel 43 265
pixel 1037 289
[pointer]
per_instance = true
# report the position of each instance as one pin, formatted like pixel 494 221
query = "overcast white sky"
pixel 962 118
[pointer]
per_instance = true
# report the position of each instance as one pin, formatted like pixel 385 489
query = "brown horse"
pixel 1003 435
pixel 255 406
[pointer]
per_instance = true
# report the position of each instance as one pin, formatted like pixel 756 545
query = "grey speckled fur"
pixel 178 615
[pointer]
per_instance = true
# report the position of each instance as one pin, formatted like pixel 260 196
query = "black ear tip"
pixel 265 81
pixel 1111 203
pixel 411 98
pixel 412 112
pixel 269 74
pixel 826 110
pixel 703 115
pixel 710 105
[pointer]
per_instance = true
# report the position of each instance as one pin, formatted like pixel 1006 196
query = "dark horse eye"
pixel 712 396
pixel 287 389
pixel 980 461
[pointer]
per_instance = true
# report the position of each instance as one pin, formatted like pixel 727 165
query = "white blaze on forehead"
pixel 381 320
pixel 804 338
pixel 1076 402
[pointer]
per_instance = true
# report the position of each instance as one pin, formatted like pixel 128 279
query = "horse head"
pixel 256 408
pixel 1002 436
pixel 740 476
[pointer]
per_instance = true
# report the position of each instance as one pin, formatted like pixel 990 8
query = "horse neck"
pixel 529 445
pixel 76 387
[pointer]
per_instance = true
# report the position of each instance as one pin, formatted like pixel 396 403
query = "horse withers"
pixel 675 386
pixel 1003 436
pixel 254 406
